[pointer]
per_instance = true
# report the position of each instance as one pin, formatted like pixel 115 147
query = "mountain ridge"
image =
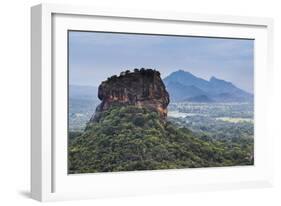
pixel 215 89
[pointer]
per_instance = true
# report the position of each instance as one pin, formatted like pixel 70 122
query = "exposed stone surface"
pixel 143 88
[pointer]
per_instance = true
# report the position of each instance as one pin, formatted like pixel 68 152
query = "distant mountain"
pixel 176 91
pixel 184 86
pixel 83 92
pixel 186 79
pixel 200 98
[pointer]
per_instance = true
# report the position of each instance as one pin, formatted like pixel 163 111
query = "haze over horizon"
pixel 227 59
pixel 85 85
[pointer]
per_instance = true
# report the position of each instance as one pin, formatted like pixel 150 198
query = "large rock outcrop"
pixel 143 88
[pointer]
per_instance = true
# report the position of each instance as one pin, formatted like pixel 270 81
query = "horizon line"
pixel 91 85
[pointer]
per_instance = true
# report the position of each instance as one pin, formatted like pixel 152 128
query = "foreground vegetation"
pixel 130 138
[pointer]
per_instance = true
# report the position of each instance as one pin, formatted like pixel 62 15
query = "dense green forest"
pixel 130 138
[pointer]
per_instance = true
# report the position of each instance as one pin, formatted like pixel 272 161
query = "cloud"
pixel 114 39
pixel 93 56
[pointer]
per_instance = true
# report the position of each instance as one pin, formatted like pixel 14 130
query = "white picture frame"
pixel 49 178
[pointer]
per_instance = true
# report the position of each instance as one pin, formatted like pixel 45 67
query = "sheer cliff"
pixel 142 88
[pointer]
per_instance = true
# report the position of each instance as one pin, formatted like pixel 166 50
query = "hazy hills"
pixel 184 86
pixel 83 92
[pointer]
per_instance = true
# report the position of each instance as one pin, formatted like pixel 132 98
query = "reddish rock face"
pixel 143 88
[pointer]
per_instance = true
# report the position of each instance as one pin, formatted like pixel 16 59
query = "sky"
pixel 94 56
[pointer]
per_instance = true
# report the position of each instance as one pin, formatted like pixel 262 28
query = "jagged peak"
pixel 181 71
